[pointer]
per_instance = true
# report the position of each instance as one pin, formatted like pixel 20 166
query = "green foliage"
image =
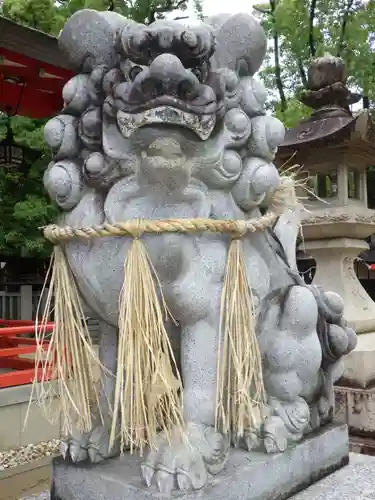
pixel 339 27
pixel 49 15
pixel 24 204
pixel 38 14
pixel 294 113
pixel 143 11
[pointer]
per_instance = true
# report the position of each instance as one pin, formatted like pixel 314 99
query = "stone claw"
pixel 64 448
pixel 94 455
pixel 249 441
pixel 164 482
pixel 184 482
pixel 93 446
pixel 277 435
pixel 77 452
pixel 187 462
pixel 147 473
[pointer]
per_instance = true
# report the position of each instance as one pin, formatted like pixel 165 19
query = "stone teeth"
pixel 202 125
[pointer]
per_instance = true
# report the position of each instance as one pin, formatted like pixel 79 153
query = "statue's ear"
pixel 90 38
pixel 241 43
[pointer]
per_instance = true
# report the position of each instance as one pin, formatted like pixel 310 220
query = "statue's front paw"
pixel 187 461
pixel 275 435
pixel 251 440
pixel 91 446
pixel 287 425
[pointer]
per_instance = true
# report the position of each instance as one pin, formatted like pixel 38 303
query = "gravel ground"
pixel 42 496
pixel 27 454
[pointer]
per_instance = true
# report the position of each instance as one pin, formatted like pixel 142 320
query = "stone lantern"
pixel 334 148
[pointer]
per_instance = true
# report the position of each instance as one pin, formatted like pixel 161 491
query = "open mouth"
pixel 201 125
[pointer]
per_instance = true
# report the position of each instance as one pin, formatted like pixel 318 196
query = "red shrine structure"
pixel 32 76
pixel 32 71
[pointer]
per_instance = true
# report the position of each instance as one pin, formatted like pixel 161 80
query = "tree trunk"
pixel 302 73
pixel 278 79
pixel 311 29
pixel 341 44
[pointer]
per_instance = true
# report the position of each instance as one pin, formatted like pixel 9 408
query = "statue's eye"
pixel 198 73
pixel 134 71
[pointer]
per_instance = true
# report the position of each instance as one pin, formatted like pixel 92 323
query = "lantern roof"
pixel 32 71
pixel 331 123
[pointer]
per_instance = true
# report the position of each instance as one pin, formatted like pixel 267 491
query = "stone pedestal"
pixel 355 392
pixel 247 476
pixel 359 365
pixel 355 395
pixel 356 408
pixel 335 272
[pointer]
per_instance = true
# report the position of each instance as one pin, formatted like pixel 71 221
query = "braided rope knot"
pixel 135 228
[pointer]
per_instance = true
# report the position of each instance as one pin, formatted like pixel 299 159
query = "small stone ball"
pixel 95 164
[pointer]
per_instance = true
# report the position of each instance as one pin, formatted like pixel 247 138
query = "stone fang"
pixel 202 125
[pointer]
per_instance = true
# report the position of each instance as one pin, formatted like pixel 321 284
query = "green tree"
pixel 143 11
pixel 344 28
pixel 38 14
pixel 303 29
pixel 25 206
pixel 49 15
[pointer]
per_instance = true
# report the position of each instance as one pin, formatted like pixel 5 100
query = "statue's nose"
pixel 169 68
pixel 167 76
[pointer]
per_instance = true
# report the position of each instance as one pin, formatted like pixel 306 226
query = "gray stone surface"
pixel 354 482
pixel 239 38
pixel 164 123
pixel 247 476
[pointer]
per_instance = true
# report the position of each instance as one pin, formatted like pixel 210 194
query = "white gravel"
pixel 27 454
pixel 42 496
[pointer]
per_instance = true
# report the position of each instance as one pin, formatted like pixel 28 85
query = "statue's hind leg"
pixel 292 360
pixel 94 445
pixel 195 302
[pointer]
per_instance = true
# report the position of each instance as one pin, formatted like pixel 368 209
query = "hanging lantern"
pixel 13 155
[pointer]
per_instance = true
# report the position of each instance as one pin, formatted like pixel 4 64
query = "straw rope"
pixel 135 228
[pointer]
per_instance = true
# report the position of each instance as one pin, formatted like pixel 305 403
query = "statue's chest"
pixel 127 200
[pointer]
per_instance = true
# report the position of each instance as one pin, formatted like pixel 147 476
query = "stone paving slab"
pixel 356 481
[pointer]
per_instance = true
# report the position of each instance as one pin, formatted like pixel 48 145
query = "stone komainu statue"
pixel 209 337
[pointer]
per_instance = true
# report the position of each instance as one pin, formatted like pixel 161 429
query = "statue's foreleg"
pixel 195 303
pixel 94 445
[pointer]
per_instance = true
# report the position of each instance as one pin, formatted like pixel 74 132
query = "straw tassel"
pixel 69 361
pixel 148 385
pixel 240 390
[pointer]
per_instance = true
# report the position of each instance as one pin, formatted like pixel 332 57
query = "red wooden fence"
pixel 15 370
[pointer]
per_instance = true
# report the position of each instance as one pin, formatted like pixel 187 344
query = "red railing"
pixel 15 370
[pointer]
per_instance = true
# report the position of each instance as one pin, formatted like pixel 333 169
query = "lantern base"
pixel 335 272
